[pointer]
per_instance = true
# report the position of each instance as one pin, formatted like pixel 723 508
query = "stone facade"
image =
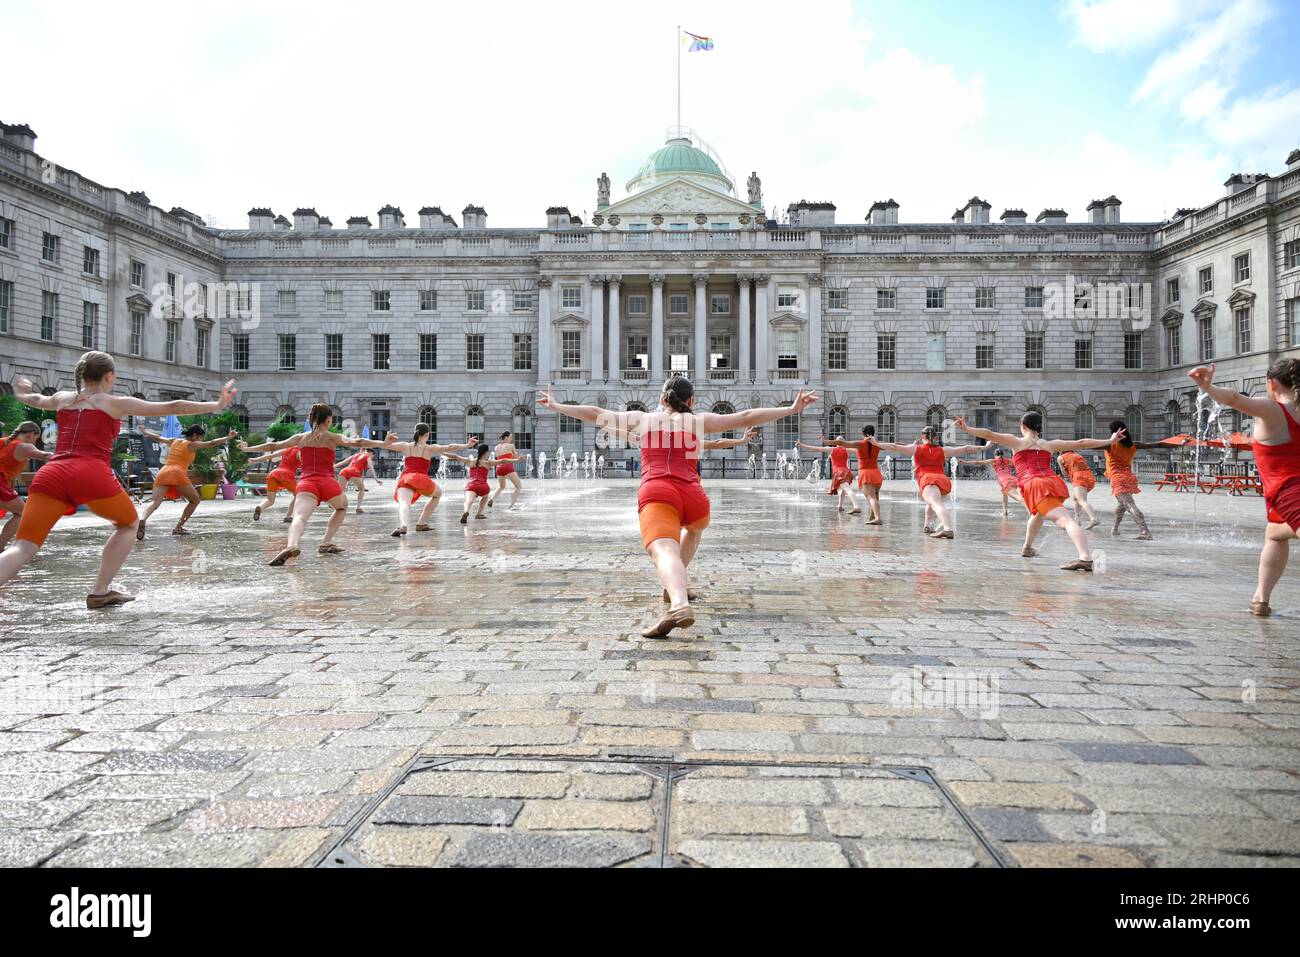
pixel 896 324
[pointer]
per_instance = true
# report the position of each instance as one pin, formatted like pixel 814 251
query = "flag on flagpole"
pixel 698 43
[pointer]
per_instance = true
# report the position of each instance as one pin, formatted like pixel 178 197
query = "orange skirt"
pixel 173 477
pixel 872 477
pixel 1043 493
pixel 1122 483
pixel 1085 480
pixel 926 479
pixel 838 478
pixel 417 483
pixel 282 480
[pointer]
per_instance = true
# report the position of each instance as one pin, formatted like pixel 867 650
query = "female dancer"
pixel 841 477
pixel 1043 491
pixel 352 471
pixel 1277 456
pixel 15 452
pixel 476 490
pixel 317 485
pixel 672 505
pixel 928 460
pixel 283 478
pixel 870 478
pixel 1003 472
pixel 1123 483
pixel 81 471
pixel 173 479
pixel 1079 473
pixel 507 457
pixel 415 480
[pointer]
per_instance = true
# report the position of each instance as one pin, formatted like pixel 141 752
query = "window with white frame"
pixel 986 297
pixel 1034 342
pixel 936 297
pixel 90 260
pixel 173 336
pixel 49 248
pixel 474 352
pixel 719 352
pixel 137 274
pixel 521 429
pixel 837 422
pixel 89 325
pixel 1173 418
pixel 837 299
pixel 333 300
pixel 238 346
pixel 1033 297
pixel 428 352
pixel 886 298
pixel 570 426
pixel 1085 422
pixel 136 345
pixel 1245 339
pixel 474 300
pixel 787 431
pixel 571 349
pixel 1173 290
pixel 286 302
pixel 637 305
pixel 6 233
pixel 522 350
pixel 637 354
pixel 1134 295
pixel 201 339
pixel 1207 338
pixel 1291 255
pixel 720 305
pixel 475 421
pixel 571 297
pixel 1135 422
pixel 334 352
pixel 1293 320
pixel 679 304
pixel 1083 350
pixel 381 300
pixel 787 297
pixel 1174 345
pixel 787 349
pixel 985 350
pixel 49 316
pixel 886 350
pixel 679 349
pixel 936 351
pixel 288 351
pixel 522 301
pixel 379 351
pixel 6 303
pixel 1132 350
pixel 1241 268
pixel 837 351
pixel 887 424
pixel 1205 279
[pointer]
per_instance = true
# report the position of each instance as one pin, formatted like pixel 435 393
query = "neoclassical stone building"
pixel 459 323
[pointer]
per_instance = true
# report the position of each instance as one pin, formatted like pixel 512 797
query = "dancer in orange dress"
pixel 870 478
pixel 15 452
pixel 673 508
pixel 317 485
pixel 282 478
pixel 352 472
pixel 1123 482
pixel 1078 472
pixel 1276 433
pixel 841 476
pixel 1043 491
pixel 1003 472
pixel 507 458
pixel 81 471
pixel 929 459
pixel 173 479
pixel 415 480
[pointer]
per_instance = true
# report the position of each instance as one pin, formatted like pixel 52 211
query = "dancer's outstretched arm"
pixel 1017 442
pixel 813 448
pixel 213 443
pixel 711 444
pixel 340 466
pixel 606 418
pixel 26 393
pixel 712 422
pixel 1060 445
pixel 120 406
pixel 264 458
pixel 1265 409
pixel 289 443
pixel 957 450
pixel 908 450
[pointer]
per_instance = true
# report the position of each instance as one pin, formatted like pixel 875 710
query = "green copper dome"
pixel 679 157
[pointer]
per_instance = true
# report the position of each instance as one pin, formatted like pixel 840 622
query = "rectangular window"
pixel 678 304
pixel 1132 350
pixel 886 350
pixel 288 352
pixel 1205 280
pixel 787 297
pixel 936 348
pixel 719 352
pixel 571 297
pixel 523 301
pixel 1083 352
pixel 474 352
pixel 379 342
pixel 1172 291
pixel 173 339
pixel 201 348
pixel 474 300
pixel 571 349
pixel 137 337
pixel 985 350
pixel 837 351
pixel 638 352
pixel 1293 316
pixel 837 299
pixel 1174 345
pixel 238 351
pixel 49 315
pixel 137 274
pixel 428 352
pixel 936 297
pixel 89 325
pixel 1207 339
pixel 172 284
pixel 333 300
pixel 6 233
pixel 1241 268
pixel 1033 297
pixel 1134 296
pixel 637 305
pixel 522 348
pixel 1291 255
pixel 886 298
pixel 90 260
pixel 49 247
pixel 333 352
pixel 679 353
pixel 787 349
pixel 428 300
pixel 381 300
pixel 6 303
pixel 286 302
pixel 720 305
pixel 1245 340
pixel 986 297
pixel 1034 350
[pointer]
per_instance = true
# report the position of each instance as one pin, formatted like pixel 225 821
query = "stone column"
pixel 701 371
pixel 657 329
pixel 615 340
pixel 746 319
pixel 544 364
pixel 814 327
pixel 762 294
pixel 597 328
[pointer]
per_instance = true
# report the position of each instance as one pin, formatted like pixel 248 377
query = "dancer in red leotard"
pixel 1276 446
pixel 352 472
pixel 415 480
pixel 870 478
pixel 1003 472
pixel 841 476
pixel 929 460
pixel 673 508
pixel 1044 492
pixel 507 458
pixel 81 471
pixel 317 485
pixel 476 490
pixel 15 452
pixel 283 478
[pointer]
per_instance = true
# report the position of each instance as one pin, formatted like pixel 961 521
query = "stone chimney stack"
pixel 390 217
pixel 359 222
pixel 1239 181
pixel 432 217
pixel 260 219
pixel 1096 211
pixel 474 217
pixel 811 215
pixel 1014 217
pixel 1112 208
pixel 1052 217
pixel 282 224
pixel 1293 161
pixel 883 213
pixel 325 223
pixel 19 135
pixel 557 217
pixel 306 219
pixel 976 210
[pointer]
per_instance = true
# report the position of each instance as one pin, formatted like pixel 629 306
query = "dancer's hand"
pixel 960 422
pixel 23 385
pixel 1203 376
pixel 1119 436
pixel 242 445
pixel 545 400
pixel 227 395
pixel 803 400
pixel 751 435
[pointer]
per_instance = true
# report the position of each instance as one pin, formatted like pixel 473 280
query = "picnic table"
pixel 1235 484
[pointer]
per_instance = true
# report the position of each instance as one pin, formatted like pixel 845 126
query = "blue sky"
pixel 517 106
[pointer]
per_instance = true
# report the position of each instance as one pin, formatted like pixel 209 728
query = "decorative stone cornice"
pixel 1206 307
pixel 656 279
pixel 545 282
pixel 814 278
pixel 700 279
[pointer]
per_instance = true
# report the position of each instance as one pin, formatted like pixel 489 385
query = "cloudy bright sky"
pixel 517 106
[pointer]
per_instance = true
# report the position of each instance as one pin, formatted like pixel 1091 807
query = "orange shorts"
pixel 868 477
pixel 665 506
pixel 42 512
pixel 417 483
pixel 1044 493
pixel 941 482
pixel 282 480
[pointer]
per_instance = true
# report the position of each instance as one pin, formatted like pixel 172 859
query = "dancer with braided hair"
pixel 870 478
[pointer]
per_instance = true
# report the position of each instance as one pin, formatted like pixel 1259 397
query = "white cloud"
pixel 1216 48
pixel 1107 26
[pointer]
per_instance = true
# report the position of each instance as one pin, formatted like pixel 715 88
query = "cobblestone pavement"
pixel 243 715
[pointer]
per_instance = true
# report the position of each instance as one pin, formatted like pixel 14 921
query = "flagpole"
pixel 679 76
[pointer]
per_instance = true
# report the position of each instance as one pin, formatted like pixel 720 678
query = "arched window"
pixel 837 423
pixel 1173 418
pixel 1085 422
pixel 428 415
pixel 1135 419
pixel 285 413
pixel 936 416
pixel 787 431
pixel 887 424
pixel 475 421
pixel 521 425
pixel 241 413
pixel 724 408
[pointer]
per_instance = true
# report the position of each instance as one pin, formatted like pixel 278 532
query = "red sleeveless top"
pixel 868 454
pixel 1279 464
pixel 413 464
pixel 1002 466
pixel 317 461
pixel 839 458
pixel 1032 464
pixel 86 434
pixel 673 455
pixel 361 462
pixel 290 460
pixel 10 467
pixel 929 460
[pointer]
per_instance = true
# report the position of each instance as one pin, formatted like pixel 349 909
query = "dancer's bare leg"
pixel 340 505
pixel 405 497
pixel 159 493
pixel 112 558
pixel 666 553
pixel 934 498
pixel 303 506
pixel 1032 528
pixel 518 487
pixel 1272 560
pixel 7 533
pixel 427 512
pixel 873 502
pixel 361 494
pixel 191 497
pixel 469 502
pixel 13 559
